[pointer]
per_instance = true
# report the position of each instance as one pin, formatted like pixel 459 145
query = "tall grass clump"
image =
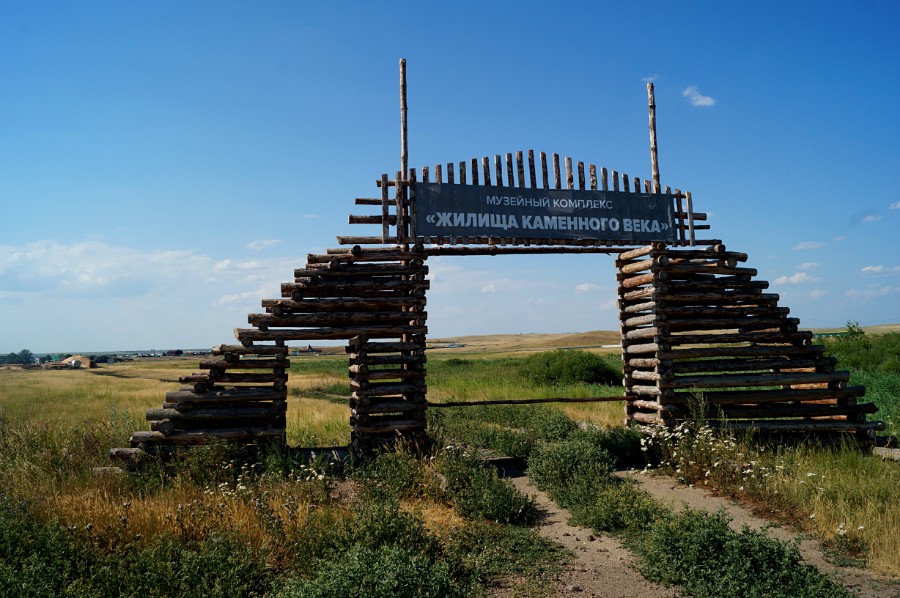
pixel 570 367
pixel 699 552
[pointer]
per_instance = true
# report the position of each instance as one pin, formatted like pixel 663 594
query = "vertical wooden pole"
pixel 654 163
pixel 404 153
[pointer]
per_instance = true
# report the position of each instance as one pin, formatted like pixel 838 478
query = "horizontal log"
pixel 823 364
pixel 526 401
pixel 389 426
pixel 362 219
pixel 746 351
pixel 368 360
pixel 758 379
pixel 640 280
pixel 639 307
pixel 388 254
pixel 646 418
pixel 339 319
pixel 205 414
pixel 723 312
pixel 225 378
pixel 368 201
pixel 799 425
pixel 351 287
pixel 307 334
pixel 767 396
pixel 646 362
pixel 640 349
pixel 660 261
pixel 278 352
pixel 735 299
pixel 636 253
pixel 645 391
pixel 644 375
pixel 748 323
pixel 351 271
pixel 718 285
pixel 640 320
pixel 685 215
pixel 779 410
pixel 127 455
pixel 351 240
pixel 803 336
pixel 204 436
pixel 651 293
pixel 349 304
pixel 387 407
pixel 678 271
pixel 388 389
pixel 384 374
pixel 702 254
pixel 227 395
pixel 364 346
pixel 244 364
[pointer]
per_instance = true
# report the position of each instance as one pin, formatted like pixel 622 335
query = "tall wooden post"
pixel 654 164
pixel 404 154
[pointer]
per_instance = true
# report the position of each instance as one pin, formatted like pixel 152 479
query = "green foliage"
pixel 699 552
pixel 567 367
pixel 477 491
pixel 875 354
pixel 555 465
pixel 46 559
pixel 395 474
pixel 379 572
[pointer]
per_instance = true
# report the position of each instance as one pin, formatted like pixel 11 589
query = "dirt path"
pixel 602 567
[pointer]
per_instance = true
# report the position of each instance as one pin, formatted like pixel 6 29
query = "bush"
pixel 699 552
pixel 569 367
pixel 555 465
pixel 477 491
pixel 383 571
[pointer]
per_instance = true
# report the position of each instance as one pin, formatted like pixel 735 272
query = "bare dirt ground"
pixel 602 567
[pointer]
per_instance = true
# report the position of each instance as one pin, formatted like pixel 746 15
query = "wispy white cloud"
pixel 796 278
pixel 809 245
pixel 839 239
pixel 696 98
pixel 872 269
pixel 310 216
pixel 871 218
pixel 895 205
pixel 808 266
pixel 649 78
pixel 817 293
pixel 262 244
pixel 587 287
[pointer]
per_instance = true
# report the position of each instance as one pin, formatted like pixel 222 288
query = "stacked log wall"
pixel 701 336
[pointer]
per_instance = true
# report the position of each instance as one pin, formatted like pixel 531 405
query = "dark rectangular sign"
pixel 479 211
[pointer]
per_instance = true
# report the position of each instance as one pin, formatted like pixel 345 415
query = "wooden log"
pixel 744 351
pixel 570 182
pixel 799 425
pixel 344 271
pixel 648 391
pixel 742 324
pixel 365 219
pixel 227 395
pixel 557 179
pixel 310 334
pixel 768 410
pixel 640 280
pixel 723 312
pixel 368 360
pixel 278 352
pixel 344 304
pixel 647 362
pixel 641 320
pixel 641 349
pixel 389 426
pixel 731 397
pixel 716 285
pixel 206 414
pixel 324 287
pixel 641 333
pixel 646 418
pixel 339 318
pixel 368 254
pixel 544 175
pixel 203 436
pixel 685 270
pixel 520 169
pixel 636 253
pixel 475 171
pixel 749 337
pixel 822 364
pixel 127 455
pixel 387 407
pixel 222 364
pixel 755 379
pixel 387 374
pixel 360 346
pixel 592 169
pixel 659 261
pixel 645 375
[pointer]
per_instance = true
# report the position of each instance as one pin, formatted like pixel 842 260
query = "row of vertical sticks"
pixel 374 299
pixel 699 331
pixel 480 171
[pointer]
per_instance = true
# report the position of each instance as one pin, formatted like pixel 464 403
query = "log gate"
pixel 696 324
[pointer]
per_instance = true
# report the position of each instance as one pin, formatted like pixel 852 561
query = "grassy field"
pixel 275 525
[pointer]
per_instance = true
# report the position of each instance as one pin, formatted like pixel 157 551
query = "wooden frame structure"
pixel 696 327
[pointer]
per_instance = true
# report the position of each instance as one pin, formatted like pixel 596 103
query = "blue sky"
pixel 164 166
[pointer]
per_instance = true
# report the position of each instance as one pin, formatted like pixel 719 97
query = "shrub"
pixel 477 491
pixel 555 465
pixel 699 552
pixel 568 367
pixel 383 571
